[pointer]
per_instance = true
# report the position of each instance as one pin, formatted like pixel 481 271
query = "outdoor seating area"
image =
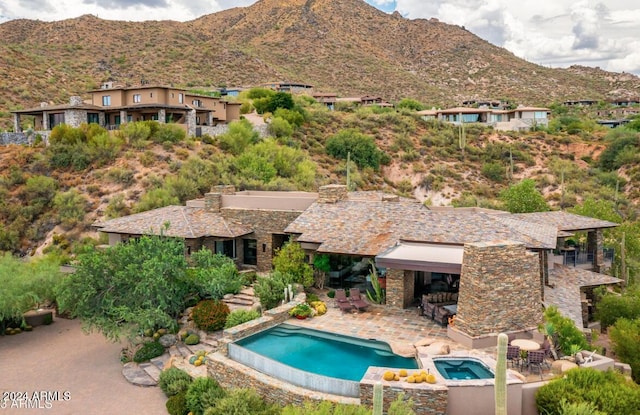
pixel 529 356
pixel 440 307
pixel 354 302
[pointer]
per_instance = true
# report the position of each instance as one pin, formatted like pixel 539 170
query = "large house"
pixel 112 105
pixel 520 118
pixel 501 267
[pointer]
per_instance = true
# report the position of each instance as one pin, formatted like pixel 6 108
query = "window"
pixel 196 103
pixel 226 248
pixel 181 98
pixel 106 100
pixel 93 118
pixel 137 98
pixel 172 96
pixel 250 251
pixel 150 94
pixel 539 115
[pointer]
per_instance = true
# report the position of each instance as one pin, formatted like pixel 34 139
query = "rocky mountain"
pixel 342 46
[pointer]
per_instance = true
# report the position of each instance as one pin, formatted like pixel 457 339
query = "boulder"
pixel 560 366
pixel 437 349
pixel 167 340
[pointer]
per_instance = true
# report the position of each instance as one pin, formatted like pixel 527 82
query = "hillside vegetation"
pixel 341 46
pixel 50 196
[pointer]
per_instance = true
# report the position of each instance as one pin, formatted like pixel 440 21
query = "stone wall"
pixel 74 118
pixel 215 130
pixel 499 289
pixel 427 400
pixel 332 193
pixel 266 223
pixel 23 138
pixel 595 244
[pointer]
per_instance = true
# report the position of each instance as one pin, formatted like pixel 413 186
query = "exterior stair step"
pixel 184 350
pixel 239 301
pixel 152 370
pixel 136 375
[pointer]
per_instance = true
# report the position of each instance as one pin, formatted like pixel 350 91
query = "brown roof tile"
pixel 565 221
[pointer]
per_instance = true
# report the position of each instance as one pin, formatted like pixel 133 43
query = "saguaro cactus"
pixel 501 375
pixel 377 399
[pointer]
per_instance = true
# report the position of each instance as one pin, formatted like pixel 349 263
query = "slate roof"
pixel 566 293
pixel 565 221
pixel 185 222
pixel 368 226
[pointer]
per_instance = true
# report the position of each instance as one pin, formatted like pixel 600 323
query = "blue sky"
pixel 555 33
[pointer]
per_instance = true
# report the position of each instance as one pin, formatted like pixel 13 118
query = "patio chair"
pixel 343 301
pixel 428 310
pixel 513 355
pixel 356 299
pixel 441 316
pixel 546 348
pixel 535 358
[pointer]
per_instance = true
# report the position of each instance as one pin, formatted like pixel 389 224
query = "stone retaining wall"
pixel 427 400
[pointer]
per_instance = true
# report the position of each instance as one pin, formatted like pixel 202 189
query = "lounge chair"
pixel 343 301
pixel 356 299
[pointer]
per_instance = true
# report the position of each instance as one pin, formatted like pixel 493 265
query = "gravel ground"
pixel 84 370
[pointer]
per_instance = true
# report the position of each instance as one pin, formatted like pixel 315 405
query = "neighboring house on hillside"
pixel 110 106
pixel 486 103
pixel 326 98
pixel 625 102
pixel 290 87
pixel 497 267
pixel 580 103
pixel 366 100
pixel 520 118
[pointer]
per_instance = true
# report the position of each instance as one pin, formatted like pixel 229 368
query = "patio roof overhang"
pixel 415 256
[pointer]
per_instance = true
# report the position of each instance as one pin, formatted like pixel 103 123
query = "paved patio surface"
pixel 60 357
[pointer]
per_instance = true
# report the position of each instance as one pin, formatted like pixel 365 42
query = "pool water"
pixel 462 369
pixel 324 353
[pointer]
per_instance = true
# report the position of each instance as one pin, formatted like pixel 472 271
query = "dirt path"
pixel 61 358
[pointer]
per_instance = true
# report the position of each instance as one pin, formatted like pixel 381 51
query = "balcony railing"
pixel 576 258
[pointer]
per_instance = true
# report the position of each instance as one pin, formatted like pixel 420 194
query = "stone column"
pixel 102 119
pixel 499 289
pixel 210 118
pixel 213 202
pixel 45 121
pixel 395 288
pixel 162 116
pixel 123 116
pixel 191 122
pixel 16 123
pixel 595 245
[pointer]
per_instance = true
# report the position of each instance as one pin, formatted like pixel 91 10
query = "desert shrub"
pixel 610 392
pixel 619 140
pixel 325 408
pixel 210 315
pixel 69 155
pixel 182 187
pixel 214 275
pixel 135 132
pixel 122 175
pixel 625 337
pixel 411 104
pixel 238 317
pixel 155 198
pixel 494 172
pixel 259 92
pixel 104 148
pixel 401 406
pixel 116 207
pixel 40 190
pixel 192 339
pixel 295 117
pixel 177 404
pixel 71 207
pixel 173 381
pixel 279 127
pixel 270 289
pixel 612 307
pixel 169 133
pixel 65 134
pixel 203 393
pixel 238 137
pixel 148 351
pixel 523 197
pixel 242 402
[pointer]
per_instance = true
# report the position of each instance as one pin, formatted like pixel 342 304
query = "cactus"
pixel 377 399
pixel 501 375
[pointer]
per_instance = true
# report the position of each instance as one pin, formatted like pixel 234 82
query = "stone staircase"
pixel 148 373
pixel 244 300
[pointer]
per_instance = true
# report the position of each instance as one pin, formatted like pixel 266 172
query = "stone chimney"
pixel 213 202
pixel 44 104
pixel 75 100
pixel 224 189
pixel 332 193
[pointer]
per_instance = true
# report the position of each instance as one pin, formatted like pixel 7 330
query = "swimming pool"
pixel 316 360
pixel 462 368
pixel 324 353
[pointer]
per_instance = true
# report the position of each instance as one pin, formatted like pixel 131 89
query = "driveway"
pixel 84 370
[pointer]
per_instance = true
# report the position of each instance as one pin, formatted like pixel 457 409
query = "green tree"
pixel 618 141
pixel 363 149
pixel 280 100
pixel 280 128
pixel 127 288
pixel 523 197
pixel 290 260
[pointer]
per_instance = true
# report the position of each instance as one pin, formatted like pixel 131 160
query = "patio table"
pixel 525 344
pixel 453 308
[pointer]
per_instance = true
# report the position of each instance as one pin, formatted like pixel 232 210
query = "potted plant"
pixel 301 311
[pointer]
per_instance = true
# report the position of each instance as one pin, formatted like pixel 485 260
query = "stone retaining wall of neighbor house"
pixel 215 130
pixel 23 138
